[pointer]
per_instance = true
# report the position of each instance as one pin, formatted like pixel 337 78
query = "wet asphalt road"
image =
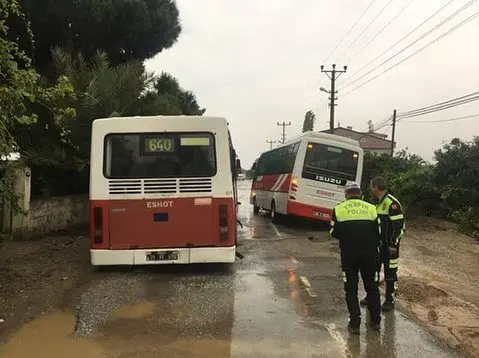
pixel 283 299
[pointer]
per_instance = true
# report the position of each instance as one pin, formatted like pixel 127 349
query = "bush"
pixel 448 189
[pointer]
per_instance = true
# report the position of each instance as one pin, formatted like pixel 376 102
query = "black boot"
pixel 387 306
pixel 353 329
pixel 375 325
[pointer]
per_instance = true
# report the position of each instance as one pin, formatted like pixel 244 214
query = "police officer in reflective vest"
pixel 356 225
pixel 392 229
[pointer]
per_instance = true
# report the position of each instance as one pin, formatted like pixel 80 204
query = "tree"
pixel 167 97
pixel 103 90
pixel 126 30
pixel 23 96
pixel 308 124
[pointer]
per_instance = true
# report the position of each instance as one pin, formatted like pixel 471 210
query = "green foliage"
pixel 167 97
pixel 308 123
pixel 125 30
pixel 23 97
pixel 98 72
pixel 448 189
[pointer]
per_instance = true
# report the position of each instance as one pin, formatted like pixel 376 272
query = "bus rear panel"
pixel 161 191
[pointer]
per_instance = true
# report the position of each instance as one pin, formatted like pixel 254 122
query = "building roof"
pixel 367 140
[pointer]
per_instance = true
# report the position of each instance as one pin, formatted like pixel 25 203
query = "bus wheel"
pixel 273 214
pixel 255 207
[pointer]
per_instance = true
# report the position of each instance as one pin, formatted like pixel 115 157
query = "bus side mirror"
pixel 254 166
pixel 238 164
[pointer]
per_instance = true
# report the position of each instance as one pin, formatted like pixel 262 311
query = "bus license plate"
pixel 321 214
pixel 162 255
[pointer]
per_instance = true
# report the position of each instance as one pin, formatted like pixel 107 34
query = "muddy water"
pixel 50 337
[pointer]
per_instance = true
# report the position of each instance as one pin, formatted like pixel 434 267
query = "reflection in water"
pixel 49 337
pixel 353 346
pixel 389 333
pixel 293 280
pixel 193 317
pixel 374 344
pixel 374 348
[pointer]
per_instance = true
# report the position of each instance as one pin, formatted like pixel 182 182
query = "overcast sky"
pixel 257 62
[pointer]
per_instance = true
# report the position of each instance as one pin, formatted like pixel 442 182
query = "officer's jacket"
pixel 357 226
pixel 392 219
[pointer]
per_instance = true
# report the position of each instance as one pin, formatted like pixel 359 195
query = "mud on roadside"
pixel 439 283
pixel 39 276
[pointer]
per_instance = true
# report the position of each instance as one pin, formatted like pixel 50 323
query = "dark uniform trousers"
pixel 356 225
pixel 366 265
pixel 392 229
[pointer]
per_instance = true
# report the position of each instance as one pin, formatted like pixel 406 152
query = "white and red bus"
pixel 162 191
pixel 306 176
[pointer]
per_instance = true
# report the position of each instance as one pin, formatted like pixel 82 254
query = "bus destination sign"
pixel 158 145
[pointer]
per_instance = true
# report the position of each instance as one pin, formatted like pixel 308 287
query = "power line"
pixel 432 110
pixel 270 142
pixel 366 28
pixel 462 23
pixel 381 31
pixel 440 108
pixel 446 120
pixel 333 75
pixel 284 125
pixel 350 30
pixel 454 102
pixel 450 17
pixel 403 38
pixel 439 104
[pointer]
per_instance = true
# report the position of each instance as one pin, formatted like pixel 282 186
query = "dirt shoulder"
pixel 439 282
pixel 38 276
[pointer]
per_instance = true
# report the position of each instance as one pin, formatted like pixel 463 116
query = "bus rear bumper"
pixel 309 211
pixel 185 256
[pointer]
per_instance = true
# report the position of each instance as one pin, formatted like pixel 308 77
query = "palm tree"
pixel 103 90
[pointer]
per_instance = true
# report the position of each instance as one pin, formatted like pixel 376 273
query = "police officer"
pixel 356 224
pixel 392 229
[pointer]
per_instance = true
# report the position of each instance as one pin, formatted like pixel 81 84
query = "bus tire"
pixel 273 214
pixel 255 207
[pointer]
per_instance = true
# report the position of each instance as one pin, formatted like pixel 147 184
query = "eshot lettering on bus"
pixel 159 204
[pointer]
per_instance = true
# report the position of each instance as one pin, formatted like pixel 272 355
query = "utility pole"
pixel 284 125
pixel 333 75
pixel 394 133
pixel 270 142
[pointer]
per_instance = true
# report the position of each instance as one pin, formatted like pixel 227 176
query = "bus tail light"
pixel 294 185
pixel 223 222
pixel 98 225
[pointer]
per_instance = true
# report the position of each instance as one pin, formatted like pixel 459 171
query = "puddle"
pixel 135 311
pixel 50 337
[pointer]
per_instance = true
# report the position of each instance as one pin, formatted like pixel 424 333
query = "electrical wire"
pixel 381 31
pixel 462 23
pixel 445 120
pixel 366 28
pixel 449 18
pixel 440 108
pixel 432 109
pixel 403 38
pixel 450 101
pixel 350 30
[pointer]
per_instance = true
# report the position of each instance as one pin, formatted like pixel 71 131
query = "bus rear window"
pixel 330 164
pixel 159 155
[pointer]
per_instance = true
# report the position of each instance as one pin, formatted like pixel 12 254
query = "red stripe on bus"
pixel 275 182
pixel 164 222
